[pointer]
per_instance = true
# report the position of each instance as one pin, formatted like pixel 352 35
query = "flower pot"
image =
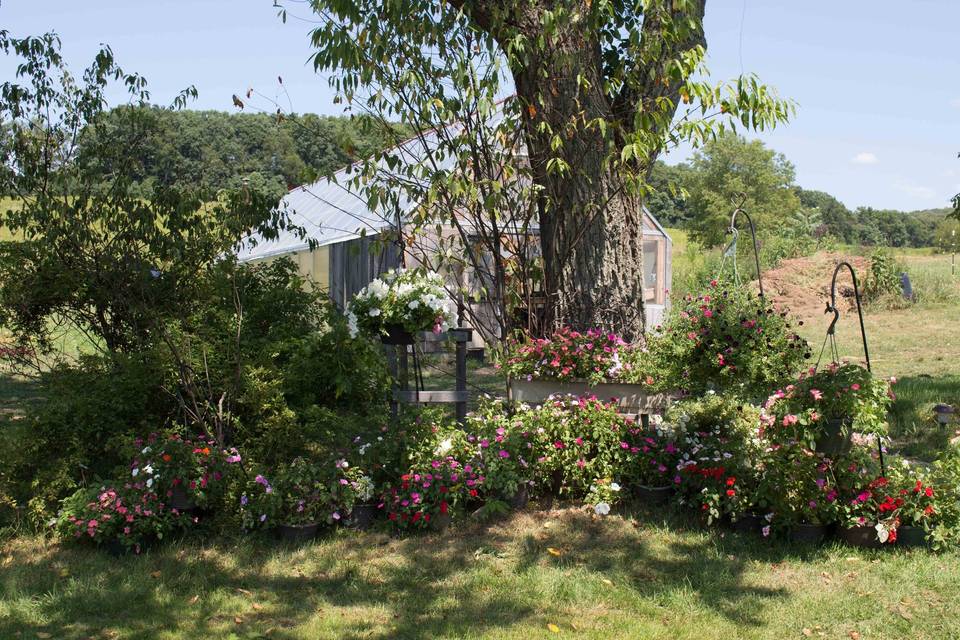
pixel 809 533
pixel 180 500
pixel 835 437
pixel 749 523
pixel 363 516
pixel 910 536
pixel 862 536
pixel 297 533
pixel 395 334
pixel 521 497
pixel 653 496
pixel 440 521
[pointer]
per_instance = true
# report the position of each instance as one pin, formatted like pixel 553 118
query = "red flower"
pixel 929 492
pixel 416 516
pixel 473 493
pixel 392 516
pixel 731 481
pixel 893 536
pixel 443 507
pixel 731 493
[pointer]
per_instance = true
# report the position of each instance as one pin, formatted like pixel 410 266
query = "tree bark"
pixel 591 225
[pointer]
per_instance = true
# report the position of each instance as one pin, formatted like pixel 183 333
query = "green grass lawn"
pixel 643 576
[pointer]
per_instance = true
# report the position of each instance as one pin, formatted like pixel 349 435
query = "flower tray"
pixel 809 533
pixel 630 398
pixel 865 537
pixel 749 523
pixel 910 536
pixel 653 496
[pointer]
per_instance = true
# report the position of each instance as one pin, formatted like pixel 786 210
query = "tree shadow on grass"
pixel 477 580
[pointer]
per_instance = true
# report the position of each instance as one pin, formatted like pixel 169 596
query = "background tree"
pixel 93 249
pixel 598 85
pixel 731 165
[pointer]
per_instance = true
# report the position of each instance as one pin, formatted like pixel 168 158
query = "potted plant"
pixel 186 471
pixel 119 518
pixel 295 501
pixel 918 514
pixel 504 447
pixel 833 403
pixel 870 517
pixel 399 304
pixel 592 362
pixel 651 461
pixel 430 498
pixel 364 511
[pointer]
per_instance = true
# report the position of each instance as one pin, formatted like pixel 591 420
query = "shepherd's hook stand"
pixel 731 249
pixel 831 334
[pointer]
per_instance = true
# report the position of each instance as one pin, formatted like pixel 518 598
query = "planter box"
pixel 631 398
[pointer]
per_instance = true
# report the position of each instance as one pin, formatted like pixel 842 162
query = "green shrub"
pixel 882 285
pixel 79 432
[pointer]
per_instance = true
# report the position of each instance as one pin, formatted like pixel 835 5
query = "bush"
pixel 81 429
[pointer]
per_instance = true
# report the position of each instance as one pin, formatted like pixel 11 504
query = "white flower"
pixel 145 451
pixel 135 472
pixel 413 304
pixel 374 312
pixel 614 486
pixel 149 483
pixel 601 509
pixel 148 469
pixel 444 447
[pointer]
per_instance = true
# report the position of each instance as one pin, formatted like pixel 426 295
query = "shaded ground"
pixel 591 577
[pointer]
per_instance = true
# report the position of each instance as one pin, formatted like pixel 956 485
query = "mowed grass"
pixel 642 576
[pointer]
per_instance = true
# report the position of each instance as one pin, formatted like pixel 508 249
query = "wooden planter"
pixel 630 398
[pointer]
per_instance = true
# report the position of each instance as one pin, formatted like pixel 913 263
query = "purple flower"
pixel 243 500
pixel 504 454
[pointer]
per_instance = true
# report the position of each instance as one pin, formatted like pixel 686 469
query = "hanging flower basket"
pixel 836 437
pixel 395 334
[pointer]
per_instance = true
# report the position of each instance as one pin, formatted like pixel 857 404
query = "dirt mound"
pixel 802 285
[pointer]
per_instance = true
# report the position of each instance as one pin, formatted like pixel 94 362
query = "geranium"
pixel 413 299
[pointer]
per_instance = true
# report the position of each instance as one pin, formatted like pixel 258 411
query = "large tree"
pixel 598 85
pixel 730 167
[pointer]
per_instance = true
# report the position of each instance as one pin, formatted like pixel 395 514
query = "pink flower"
pixel 855 387
pixel 504 454
pixel 789 419
pixel 817 394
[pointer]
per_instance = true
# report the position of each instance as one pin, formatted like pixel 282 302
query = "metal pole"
pixel 738 202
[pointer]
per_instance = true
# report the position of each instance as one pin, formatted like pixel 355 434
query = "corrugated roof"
pixel 331 211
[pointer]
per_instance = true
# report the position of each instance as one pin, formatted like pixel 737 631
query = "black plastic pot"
pixel 653 495
pixel 395 334
pixel 180 500
pixel 440 521
pixel 748 523
pixel 835 437
pixel 864 537
pixel 297 533
pixel 910 536
pixel 520 499
pixel 809 533
pixel 363 516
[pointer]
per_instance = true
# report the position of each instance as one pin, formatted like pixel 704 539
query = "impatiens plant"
pixel 193 466
pixel 653 455
pixel 419 498
pixel 594 355
pixel 728 338
pixel 414 300
pixel 505 447
pixel 130 515
pixel 579 440
pixel 845 392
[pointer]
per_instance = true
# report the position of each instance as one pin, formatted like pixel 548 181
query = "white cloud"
pixel 865 157
pixel 955 103
pixel 915 190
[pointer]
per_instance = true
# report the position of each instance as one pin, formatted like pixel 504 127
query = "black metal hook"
pixel 832 306
pixel 738 201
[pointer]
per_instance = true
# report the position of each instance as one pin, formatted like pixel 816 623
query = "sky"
pixel 875 81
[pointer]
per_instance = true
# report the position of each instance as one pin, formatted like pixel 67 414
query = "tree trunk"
pixel 591 230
